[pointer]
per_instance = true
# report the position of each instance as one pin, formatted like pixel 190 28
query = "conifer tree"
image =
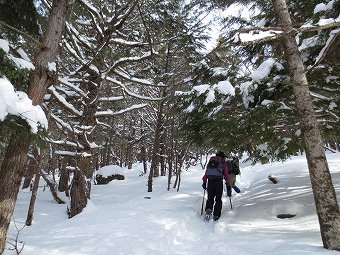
pixel 276 95
pixel 15 157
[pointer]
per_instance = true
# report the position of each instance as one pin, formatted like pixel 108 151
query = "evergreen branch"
pixel 20 32
pixel 318 27
pixel 325 50
pixel 279 31
pixel 250 29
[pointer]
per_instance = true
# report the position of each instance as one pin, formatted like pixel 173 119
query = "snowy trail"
pixel 122 218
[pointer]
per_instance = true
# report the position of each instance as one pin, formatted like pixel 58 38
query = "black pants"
pixel 215 191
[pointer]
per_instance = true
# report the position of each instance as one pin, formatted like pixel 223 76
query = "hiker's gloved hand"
pixel 204 185
pixel 228 191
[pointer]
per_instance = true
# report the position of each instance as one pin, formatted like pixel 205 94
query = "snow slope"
pixel 121 220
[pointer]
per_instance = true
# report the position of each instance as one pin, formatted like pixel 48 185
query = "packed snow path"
pixel 122 218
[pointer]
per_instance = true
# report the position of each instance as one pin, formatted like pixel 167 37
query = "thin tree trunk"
pixel 29 218
pixel 324 194
pixel 162 158
pixel 64 176
pixel 143 149
pixel 29 173
pixel 53 187
pixel 154 169
pixel 38 157
pixel 176 171
pixel 170 164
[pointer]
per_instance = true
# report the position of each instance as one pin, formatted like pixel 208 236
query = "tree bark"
pixel 154 169
pixel 53 187
pixel 64 176
pixel 29 173
pixel 15 159
pixel 78 194
pixel 31 168
pixel 324 193
pixel 38 158
pixel 10 176
pixel 29 218
pixel 81 183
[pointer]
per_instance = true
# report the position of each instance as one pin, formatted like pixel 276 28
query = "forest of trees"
pixel 127 81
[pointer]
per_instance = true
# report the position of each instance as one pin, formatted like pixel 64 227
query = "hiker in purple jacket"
pixel 216 171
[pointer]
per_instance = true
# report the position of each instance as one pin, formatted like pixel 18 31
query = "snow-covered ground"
pixel 121 220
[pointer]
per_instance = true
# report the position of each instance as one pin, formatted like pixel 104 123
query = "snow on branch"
pixel 63 102
pixel 126 76
pixel 19 104
pixel 63 142
pixel 65 125
pixel 76 37
pixel 322 24
pixel 131 59
pixel 127 43
pixel 91 9
pixel 111 99
pixel 111 113
pixel 130 93
pixel 120 17
pixel 254 35
pixel 332 38
pixel 65 81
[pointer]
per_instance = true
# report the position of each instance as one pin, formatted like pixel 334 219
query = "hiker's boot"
pixel 237 190
pixel 208 214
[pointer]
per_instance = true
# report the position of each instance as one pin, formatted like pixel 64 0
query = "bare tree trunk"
pixel 163 157
pixel 33 198
pixel 170 164
pixel 177 171
pixel 81 183
pixel 324 194
pixel 29 173
pixel 143 155
pixel 154 169
pixel 13 165
pixel 78 194
pixel 63 178
pixel 38 157
pixel 53 187
pixel 31 168
pixel 143 149
pixel 10 176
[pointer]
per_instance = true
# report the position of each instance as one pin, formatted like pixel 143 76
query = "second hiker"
pixel 216 171
pixel 233 165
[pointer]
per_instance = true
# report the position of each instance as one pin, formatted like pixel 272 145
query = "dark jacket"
pixel 225 173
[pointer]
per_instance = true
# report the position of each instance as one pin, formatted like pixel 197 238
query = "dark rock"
pixel 272 179
pixel 285 216
pixel 105 180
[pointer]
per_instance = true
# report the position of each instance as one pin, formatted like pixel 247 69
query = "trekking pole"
pixel 231 204
pixel 203 202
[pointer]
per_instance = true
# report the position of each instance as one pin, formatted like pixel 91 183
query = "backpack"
pixel 215 168
pixel 234 166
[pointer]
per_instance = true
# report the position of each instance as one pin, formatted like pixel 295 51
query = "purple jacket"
pixel 225 173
